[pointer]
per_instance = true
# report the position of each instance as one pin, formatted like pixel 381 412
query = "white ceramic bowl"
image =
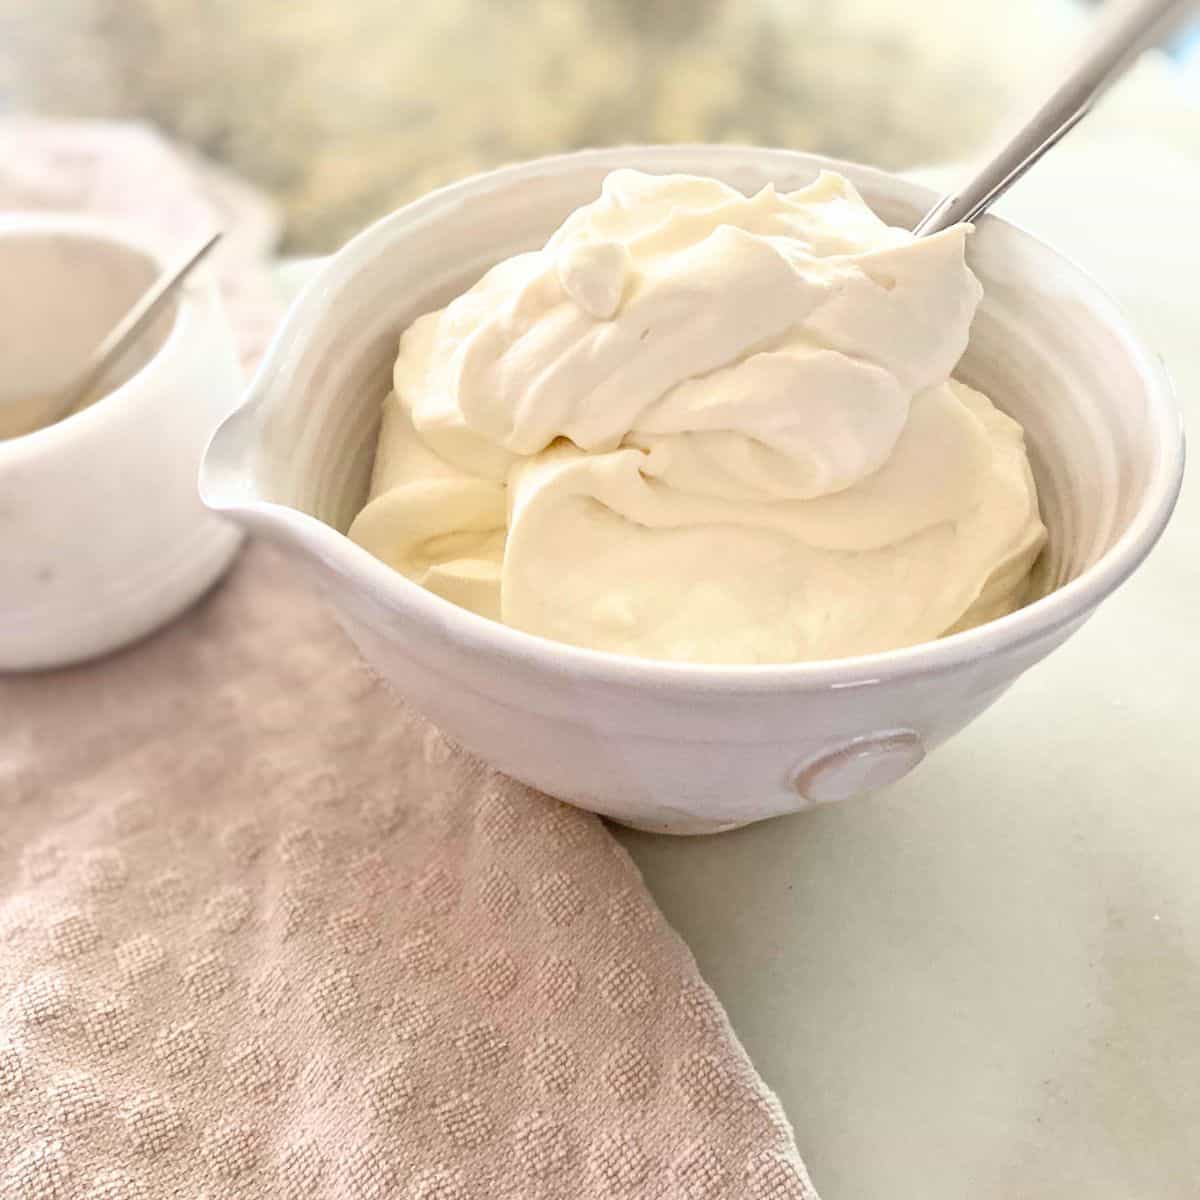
pixel 102 534
pixel 676 747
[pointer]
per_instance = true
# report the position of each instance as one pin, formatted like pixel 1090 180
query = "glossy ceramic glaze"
pixel 102 534
pixel 676 747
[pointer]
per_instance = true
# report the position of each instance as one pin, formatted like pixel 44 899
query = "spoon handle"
pixel 1121 33
pixel 128 330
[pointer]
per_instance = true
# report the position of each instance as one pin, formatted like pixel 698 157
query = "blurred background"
pixel 342 109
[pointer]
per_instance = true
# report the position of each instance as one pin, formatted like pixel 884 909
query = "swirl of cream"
pixel 708 427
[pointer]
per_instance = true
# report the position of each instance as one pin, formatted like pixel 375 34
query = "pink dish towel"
pixel 264 933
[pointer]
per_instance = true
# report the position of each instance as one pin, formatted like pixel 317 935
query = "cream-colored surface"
pixel 62 292
pixel 708 427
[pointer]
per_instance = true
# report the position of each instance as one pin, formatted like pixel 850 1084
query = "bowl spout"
pixel 238 481
pixel 228 478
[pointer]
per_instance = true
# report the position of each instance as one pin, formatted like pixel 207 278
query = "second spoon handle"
pixel 1121 33
pixel 129 329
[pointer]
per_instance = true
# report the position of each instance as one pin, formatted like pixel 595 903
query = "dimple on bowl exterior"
pixel 685 748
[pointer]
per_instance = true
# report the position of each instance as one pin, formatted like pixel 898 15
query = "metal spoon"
pixel 122 337
pixel 1125 28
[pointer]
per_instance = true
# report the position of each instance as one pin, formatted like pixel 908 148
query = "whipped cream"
pixel 708 427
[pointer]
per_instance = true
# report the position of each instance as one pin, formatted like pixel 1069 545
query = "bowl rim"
pixel 1070 603
pixel 115 235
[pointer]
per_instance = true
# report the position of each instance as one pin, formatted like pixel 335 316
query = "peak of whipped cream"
pixel 708 427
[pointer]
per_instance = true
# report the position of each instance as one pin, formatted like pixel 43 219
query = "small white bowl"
pixel 102 535
pixel 677 747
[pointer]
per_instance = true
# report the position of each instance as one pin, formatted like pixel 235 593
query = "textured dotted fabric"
pixel 265 933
